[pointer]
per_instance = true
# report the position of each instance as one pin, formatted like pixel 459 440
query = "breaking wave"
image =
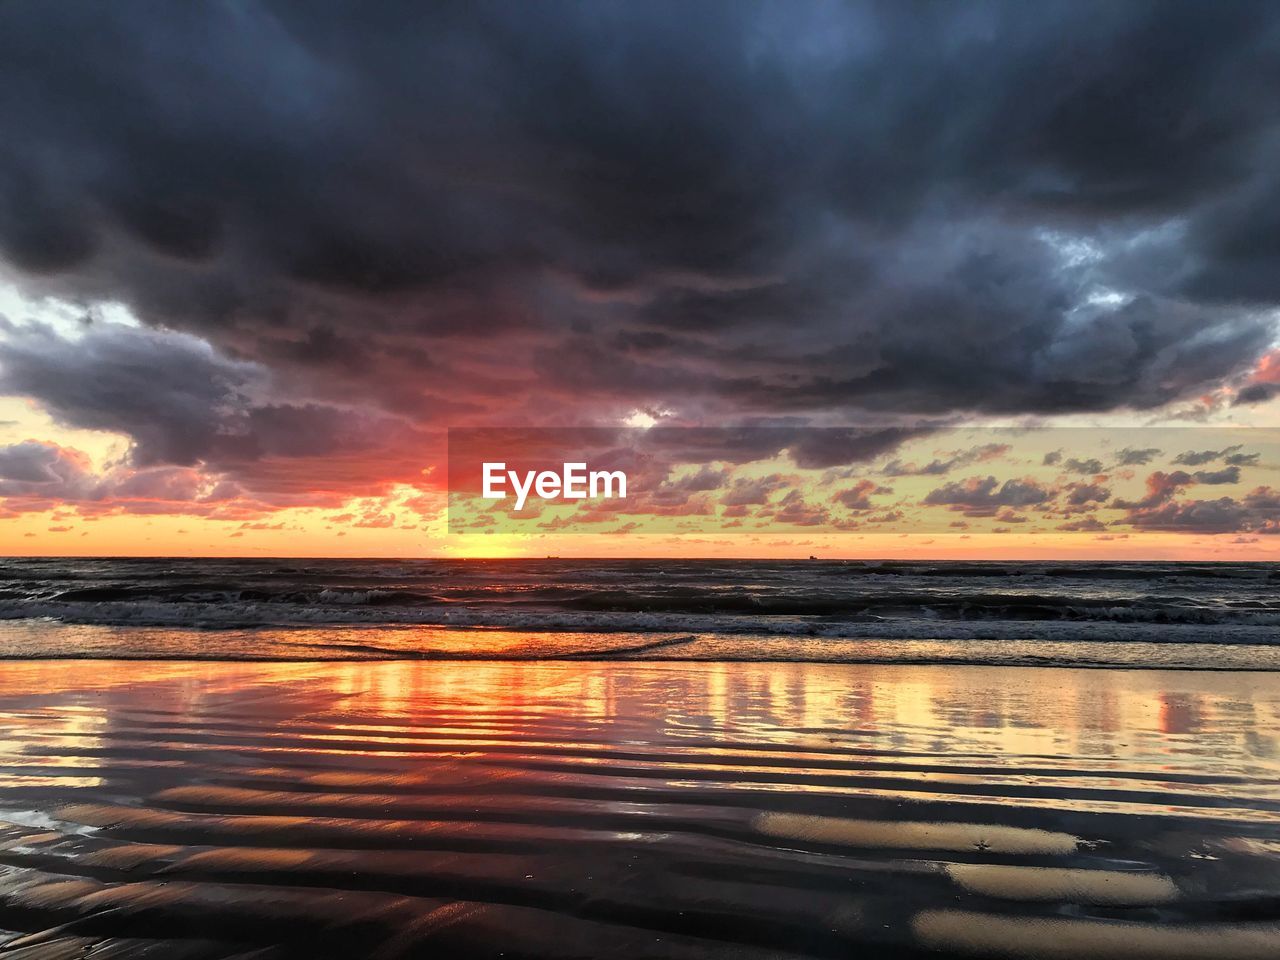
pixel 1084 602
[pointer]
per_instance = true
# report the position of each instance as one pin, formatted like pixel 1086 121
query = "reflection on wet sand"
pixel 636 810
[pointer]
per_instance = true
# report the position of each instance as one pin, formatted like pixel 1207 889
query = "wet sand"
pixel 636 809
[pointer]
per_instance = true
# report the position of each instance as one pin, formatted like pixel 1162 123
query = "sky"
pixel 257 259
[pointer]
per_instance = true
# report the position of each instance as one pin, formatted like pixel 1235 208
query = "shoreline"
pixel 600 660
pixel 44 640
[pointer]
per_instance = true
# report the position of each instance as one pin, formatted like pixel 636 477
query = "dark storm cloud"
pixel 183 404
pixel 1256 393
pixel 819 448
pixel 170 393
pixel 808 447
pixel 452 211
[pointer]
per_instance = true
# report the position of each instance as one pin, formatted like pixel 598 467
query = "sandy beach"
pixel 582 809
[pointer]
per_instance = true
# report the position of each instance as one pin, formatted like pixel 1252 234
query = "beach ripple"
pixel 636 810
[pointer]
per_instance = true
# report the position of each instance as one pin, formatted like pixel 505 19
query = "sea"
pixel 1168 615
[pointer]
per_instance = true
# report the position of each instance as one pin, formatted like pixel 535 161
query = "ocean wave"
pixel 824 599
pixel 243 608
pixel 226 617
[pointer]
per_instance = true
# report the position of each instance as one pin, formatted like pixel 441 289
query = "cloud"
pixel 1136 456
pixel 1161 485
pixel 1195 458
pixel 1080 495
pixel 1241 459
pixel 1257 512
pixel 1256 393
pixel 1213 477
pixel 936 467
pixel 700 481
pixel 41 470
pixel 858 497
pixel 1085 525
pixel 819 448
pixel 38 475
pixel 170 392
pixel 793 510
pixel 754 490
pixel 32 464
pixel 1263 381
pixel 1074 465
pixel 1195 516
pixel 184 404
pixel 984 496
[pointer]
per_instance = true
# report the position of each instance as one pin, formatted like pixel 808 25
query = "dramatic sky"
pixel 256 259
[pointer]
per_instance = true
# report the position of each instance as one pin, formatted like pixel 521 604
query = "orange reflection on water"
pixel 297 793
pixel 930 730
